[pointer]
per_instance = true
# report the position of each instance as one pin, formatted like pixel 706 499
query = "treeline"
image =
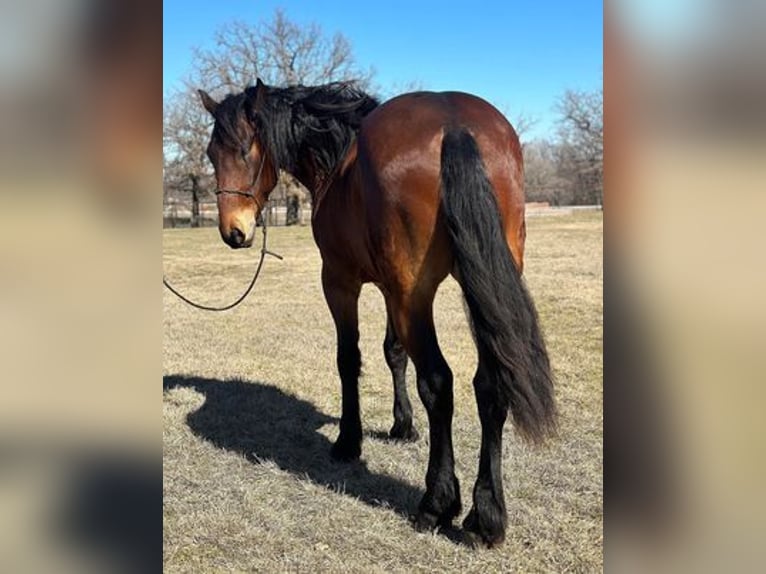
pixel 569 170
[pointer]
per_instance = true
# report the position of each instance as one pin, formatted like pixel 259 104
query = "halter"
pixel 253 184
pixel 264 251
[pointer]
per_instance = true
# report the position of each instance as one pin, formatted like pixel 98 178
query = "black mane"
pixel 291 122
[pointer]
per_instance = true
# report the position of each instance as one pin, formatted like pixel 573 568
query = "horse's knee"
pixel 349 360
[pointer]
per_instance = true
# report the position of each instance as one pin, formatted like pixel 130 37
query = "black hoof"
pixel 425 521
pixel 478 532
pixel 404 433
pixel 451 513
pixel 346 451
pixel 439 510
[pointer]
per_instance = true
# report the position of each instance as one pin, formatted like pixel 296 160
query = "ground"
pixel 251 400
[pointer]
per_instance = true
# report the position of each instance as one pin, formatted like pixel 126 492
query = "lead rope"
pixel 264 253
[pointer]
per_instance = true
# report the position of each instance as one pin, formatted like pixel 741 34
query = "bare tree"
pixel 523 123
pixel 280 52
pixel 185 133
pixel 543 180
pixel 569 168
pixel 581 149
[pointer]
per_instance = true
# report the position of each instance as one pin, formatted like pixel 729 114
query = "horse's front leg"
pixel 342 295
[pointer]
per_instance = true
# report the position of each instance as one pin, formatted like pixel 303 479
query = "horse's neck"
pixel 310 179
pixel 336 190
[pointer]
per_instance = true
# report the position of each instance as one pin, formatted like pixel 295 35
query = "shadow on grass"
pixel 262 423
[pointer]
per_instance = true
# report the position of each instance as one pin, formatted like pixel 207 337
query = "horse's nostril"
pixel 236 237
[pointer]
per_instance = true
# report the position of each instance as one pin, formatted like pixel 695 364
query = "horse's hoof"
pixel 478 534
pixel 433 518
pixel 425 521
pixel 404 433
pixel 343 451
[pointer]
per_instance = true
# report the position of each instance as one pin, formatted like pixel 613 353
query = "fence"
pixel 178 213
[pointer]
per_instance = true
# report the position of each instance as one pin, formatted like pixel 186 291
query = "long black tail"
pixel 503 316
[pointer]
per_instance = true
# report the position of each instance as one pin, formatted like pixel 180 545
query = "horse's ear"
pixel 256 95
pixel 210 104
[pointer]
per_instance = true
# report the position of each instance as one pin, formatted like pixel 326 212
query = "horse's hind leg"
pixel 342 297
pixel 396 358
pixel 414 325
pixel 487 519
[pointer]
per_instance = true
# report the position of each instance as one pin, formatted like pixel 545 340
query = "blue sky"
pixel 518 54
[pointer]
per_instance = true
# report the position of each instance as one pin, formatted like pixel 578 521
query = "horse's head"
pixel 244 171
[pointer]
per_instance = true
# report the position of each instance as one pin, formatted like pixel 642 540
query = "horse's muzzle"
pixel 236 239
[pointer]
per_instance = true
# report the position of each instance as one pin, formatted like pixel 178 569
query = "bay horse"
pixel 404 194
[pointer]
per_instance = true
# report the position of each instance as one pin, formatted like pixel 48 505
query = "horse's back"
pixel 409 119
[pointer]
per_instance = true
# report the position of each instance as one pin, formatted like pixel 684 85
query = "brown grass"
pixel 250 411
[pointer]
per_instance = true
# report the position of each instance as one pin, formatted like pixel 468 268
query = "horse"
pixel 404 193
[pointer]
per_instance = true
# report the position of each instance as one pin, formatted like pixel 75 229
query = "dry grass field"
pixel 251 400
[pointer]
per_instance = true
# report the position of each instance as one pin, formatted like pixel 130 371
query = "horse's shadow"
pixel 262 423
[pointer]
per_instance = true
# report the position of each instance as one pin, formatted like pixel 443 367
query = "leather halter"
pixel 250 193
